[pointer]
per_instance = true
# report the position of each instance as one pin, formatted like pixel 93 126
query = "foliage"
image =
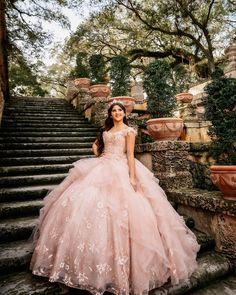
pixel 97 68
pixel 120 75
pixel 81 69
pixel 220 109
pixel 23 78
pixel 27 38
pixel 181 78
pixel 160 91
pixel 184 31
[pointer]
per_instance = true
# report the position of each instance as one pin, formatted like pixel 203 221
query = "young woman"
pixel 108 226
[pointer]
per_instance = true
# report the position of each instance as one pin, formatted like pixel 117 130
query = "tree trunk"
pixel 3 52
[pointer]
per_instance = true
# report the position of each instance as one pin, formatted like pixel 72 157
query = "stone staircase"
pixel 39 139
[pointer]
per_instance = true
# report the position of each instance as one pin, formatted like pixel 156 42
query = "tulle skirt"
pixel 96 233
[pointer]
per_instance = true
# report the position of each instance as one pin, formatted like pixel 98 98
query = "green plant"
pixel 181 78
pixel 81 69
pixel 97 68
pixel 120 75
pixel 160 90
pixel 220 109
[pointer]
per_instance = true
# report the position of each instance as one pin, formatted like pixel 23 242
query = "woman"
pixel 108 226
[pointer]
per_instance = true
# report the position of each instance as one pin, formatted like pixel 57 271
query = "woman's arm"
pixel 95 148
pixel 130 157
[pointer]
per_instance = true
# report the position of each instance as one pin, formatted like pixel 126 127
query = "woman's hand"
pixel 133 183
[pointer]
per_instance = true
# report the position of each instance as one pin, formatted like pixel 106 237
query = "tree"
pixel 4 86
pixel 184 31
pixel 26 36
pixel 22 78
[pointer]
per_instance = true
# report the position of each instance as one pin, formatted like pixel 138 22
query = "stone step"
pixel 65 116
pixel 14 255
pixel 24 283
pixel 29 139
pixel 46 122
pixel 38 118
pixel 56 133
pixel 37 101
pixel 211 267
pixel 19 209
pixel 44 145
pixel 35 169
pixel 45 152
pixel 207 243
pixel 17 181
pixel 17 228
pixel 226 286
pixel 43 160
pixel 44 110
pixel 24 193
pixel 49 129
pixel 46 125
pixel 39 105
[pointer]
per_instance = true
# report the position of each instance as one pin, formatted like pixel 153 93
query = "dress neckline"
pixel 114 132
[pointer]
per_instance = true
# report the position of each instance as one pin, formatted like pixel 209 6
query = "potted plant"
pixel 220 109
pixel 98 76
pixel 161 102
pixel 120 82
pixel 81 71
pixel 181 81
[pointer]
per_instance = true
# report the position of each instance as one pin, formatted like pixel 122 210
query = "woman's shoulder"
pixel 129 129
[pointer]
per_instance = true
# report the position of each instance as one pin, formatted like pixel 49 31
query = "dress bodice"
pixel 115 143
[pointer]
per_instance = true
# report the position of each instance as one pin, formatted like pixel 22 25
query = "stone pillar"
pixel 137 91
pixel 169 161
pixel 72 91
pixel 99 111
pixel 230 52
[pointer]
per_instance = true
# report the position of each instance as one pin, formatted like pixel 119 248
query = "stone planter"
pixel 165 128
pixel 99 90
pixel 82 83
pixel 184 97
pixel 224 177
pixel 127 101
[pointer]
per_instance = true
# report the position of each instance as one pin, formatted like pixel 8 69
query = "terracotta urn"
pixel 99 90
pixel 184 97
pixel 165 128
pixel 127 101
pixel 82 83
pixel 224 177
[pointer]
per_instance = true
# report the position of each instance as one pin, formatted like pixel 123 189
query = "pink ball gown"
pixel 96 233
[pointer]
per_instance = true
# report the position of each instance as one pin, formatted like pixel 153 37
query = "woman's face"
pixel 117 114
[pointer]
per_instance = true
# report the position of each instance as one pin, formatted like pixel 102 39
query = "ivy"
pixel 220 109
pixel 97 68
pixel 160 90
pixel 120 75
pixel 81 69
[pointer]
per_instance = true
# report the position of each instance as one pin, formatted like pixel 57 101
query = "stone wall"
pixel 169 161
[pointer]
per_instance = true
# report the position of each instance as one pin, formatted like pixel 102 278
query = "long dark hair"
pixel 108 125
